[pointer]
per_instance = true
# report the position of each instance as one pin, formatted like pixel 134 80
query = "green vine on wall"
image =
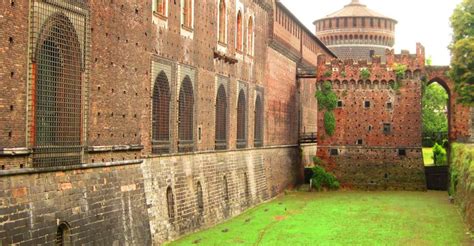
pixel 399 70
pixel 364 73
pixel 327 100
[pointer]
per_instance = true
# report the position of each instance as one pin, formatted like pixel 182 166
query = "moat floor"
pixel 343 218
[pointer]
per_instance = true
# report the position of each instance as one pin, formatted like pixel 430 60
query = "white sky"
pixel 424 21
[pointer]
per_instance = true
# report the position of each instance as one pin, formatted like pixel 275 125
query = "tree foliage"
pixel 462 51
pixel 434 109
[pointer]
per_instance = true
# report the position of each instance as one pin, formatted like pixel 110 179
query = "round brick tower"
pixel 356 32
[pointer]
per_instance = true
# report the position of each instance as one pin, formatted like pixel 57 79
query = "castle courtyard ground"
pixel 343 218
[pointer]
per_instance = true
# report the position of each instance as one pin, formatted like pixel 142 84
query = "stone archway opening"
pixel 436 101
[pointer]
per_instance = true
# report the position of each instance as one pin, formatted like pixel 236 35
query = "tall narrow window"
pixel 247 185
pixel 222 21
pixel 221 118
pixel 250 34
pixel 226 189
pixel 258 129
pixel 241 120
pixel 186 116
pixel 57 85
pixel 239 31
pixel 63 235
pixel 161 7
pixel 200 199
pixel 170 203
pixel 161 115
pixel 188 13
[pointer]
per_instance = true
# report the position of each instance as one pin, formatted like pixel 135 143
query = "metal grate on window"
pixel 161 115
pixel 258 129
pixel 241 121
pixel 221 119
pixel 186 116
pixel 170 204
pixel 57 40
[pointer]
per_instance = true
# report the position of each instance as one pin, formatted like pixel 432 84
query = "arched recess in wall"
pixel 200 198
pixel 170 204
pixel 250 35
pixel 221 118
pixel 161 115
pixel 258 127
pixel 57 84
pixel 63 235
pixel 239 35
pixel 222 21
pixel 241 120
pixel 186 116
pixel 225 186
pixel 440 83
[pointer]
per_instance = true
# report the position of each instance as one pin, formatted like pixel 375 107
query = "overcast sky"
pixel 424 21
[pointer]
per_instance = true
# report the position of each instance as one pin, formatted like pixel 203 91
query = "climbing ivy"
pixel 327 100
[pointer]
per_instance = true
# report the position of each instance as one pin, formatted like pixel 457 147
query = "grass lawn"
pixel 428 156
pixel 343 218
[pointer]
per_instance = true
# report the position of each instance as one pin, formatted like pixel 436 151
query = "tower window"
pixel 334 152
pixel 367 104
pixel 387 128
pixel 339 104
pixel 222 21
pixel 402 152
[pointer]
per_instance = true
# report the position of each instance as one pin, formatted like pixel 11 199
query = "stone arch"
pixel 221 119
pixel 186 116
pixel 63 234
pixel 161 114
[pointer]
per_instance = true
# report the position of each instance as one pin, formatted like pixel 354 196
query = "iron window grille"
pixel 161 115
pixel 186 116
pixel 241 121
pixel 58 44
pixel 221 119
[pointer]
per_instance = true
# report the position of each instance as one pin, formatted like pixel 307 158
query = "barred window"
pixel 239 31
pixel 161 115
pixel 170 203
pixel 222 21
pixel 57 94
pixel 186 116
pixel 221 119
pixel 258 129
pixel 200 199
pixel 241 120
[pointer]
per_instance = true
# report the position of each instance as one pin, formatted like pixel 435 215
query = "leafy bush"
pixel 321 179
pixel 343 74
pixel 328 73
pixel 399 70
pixel 439 155
pixel 364 73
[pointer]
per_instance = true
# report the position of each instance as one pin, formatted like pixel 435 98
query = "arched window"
pixel 221 118
pixel 57 84
pixel 250 34
pixel 161 115
pixel 258 128
pixel 241 120
pixel 226 189
pixel 63 235
pixel 170 203
pixel 200 199
pixel 188 13
pixel 186 116
pixel 161 7
pixel 239 31
pixel 247 185
pixel 222 21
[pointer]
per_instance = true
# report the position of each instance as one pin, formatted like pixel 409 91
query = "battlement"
pixel 374 69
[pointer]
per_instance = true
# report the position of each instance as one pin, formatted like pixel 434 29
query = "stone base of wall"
pixel 376 168
pixel 126 203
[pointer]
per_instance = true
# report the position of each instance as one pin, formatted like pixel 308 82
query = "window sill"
pixel 187 28
pixel 161 16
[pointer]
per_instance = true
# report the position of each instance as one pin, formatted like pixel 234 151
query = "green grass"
pixel 342 218
pixel 428 156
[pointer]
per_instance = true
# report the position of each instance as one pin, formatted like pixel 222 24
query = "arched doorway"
pixel 436 107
